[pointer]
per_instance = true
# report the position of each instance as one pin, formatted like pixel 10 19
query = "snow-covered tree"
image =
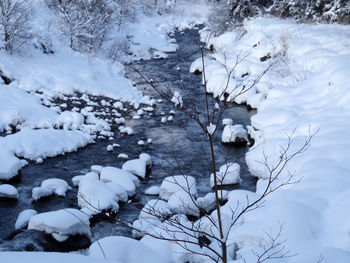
pixel 14 15
pixel 85 22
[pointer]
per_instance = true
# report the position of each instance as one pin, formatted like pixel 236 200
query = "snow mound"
pixel 50 186
pixel 228 174
pixel 182 202
pixel 125 179
pixel 136 166
pixel 125 250
pixel 173 184
pixel 94 196
pixel 155 209
pixel 64 222
pixel 24 217
pixel 8 191
pixel 153 190
pixel 235 134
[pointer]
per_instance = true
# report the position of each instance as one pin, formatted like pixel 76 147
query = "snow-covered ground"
pixel 38 79
pixel 305 91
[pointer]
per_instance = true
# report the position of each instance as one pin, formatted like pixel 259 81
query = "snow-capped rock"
pixel 173 184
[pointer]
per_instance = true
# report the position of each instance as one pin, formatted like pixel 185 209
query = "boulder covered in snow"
pixel 61 223
pixel 24 217
pixel 125 179
pixel 136 166
pixel 228 174
pixel 173 184
pixel 8 191
pixel 235 135
pixel 94 196
pixel 49 187
pixel 153 190
pixel 182 202
pixel 155 209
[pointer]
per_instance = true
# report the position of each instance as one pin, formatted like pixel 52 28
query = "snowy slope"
pixel 306 91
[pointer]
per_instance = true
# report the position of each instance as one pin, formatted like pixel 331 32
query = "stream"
pixel 178 147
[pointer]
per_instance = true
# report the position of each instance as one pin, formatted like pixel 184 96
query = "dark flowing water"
pixel 178 147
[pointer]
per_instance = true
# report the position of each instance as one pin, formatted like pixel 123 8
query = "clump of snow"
pixel 155 209
pixel 94 196
pixel 110 148
pixel 124 178
pixel 136 166
pixel 50 186
pixel 8 191
pixel 64 222
pixel 228 174
pixel 227 121
pixel 234 134
pixel 170 118
pixel 173 184
pixel 24 217
pixel 146 157
pixel 153 190
pixel 182 202
pixel 97 168
pixel 177 99
pixel 123 156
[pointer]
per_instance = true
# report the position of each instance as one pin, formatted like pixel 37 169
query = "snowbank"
pixel 34 144
pixel 44 257
pixel 305 91
pixel 125 250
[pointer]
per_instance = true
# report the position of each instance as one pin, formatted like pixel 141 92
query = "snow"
pixel 136 166
pixel 34 144
pixel 182 202
pixel 177 99
pixel 97 168
pixel 126 179
pixel 228 174
pixel 52 257
pixel 8 191
pixel 64 222
pixel 94 196
pixel 123 156
pixel 50 186
pixel 125 250
pixel 173 184
pixel 304 92
pixel 24 217
pixel 153 190
pixel 234 134
pixel 146 157
pixel 155 209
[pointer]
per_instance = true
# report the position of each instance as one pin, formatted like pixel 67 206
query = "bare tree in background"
pixel 208 235
pixel 14 16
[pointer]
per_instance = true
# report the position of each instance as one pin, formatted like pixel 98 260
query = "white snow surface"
pixel 63 222
pixel 173 184
pixel 125 250
pixel 307 90
pixel 24 217
pixel 34 144
pixel 8 191
pixel 136 167
pixel 228 174
pixel 50 186
pixel 233 132
pixel 52 257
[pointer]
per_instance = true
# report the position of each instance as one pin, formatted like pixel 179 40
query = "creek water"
pixel 178 147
